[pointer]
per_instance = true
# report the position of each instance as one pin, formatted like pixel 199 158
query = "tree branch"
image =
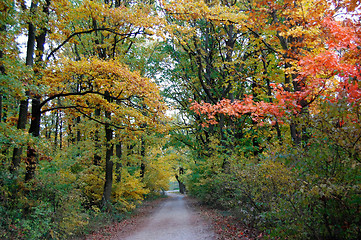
pixel 110 124
pixel 88 31
pixel 61 107
pixel 80 94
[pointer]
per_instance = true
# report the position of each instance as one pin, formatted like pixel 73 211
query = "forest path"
pixel 173 220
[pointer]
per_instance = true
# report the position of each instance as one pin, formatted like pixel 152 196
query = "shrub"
pixel 311 193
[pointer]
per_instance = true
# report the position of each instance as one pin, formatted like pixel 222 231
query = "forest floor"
pixel 176 217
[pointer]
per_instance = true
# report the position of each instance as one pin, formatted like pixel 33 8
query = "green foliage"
pixel 328 199
pixel 49 207
pixel 311 193
pixel 91 183
pixel 64 200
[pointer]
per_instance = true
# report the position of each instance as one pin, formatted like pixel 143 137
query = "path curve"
pixel 173 220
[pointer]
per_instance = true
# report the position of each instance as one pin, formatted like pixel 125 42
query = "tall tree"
pixel 34 130
pixel 23 106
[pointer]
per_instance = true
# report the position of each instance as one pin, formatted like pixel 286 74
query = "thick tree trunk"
pixel 41 38
pixel 182 187
pixel 30 48
pixel 142 154
pixel 97 158
pixel 78 134
pixel 32 158
pixel 296 137
pixel 118 165
pixel 23 108
pixel 108 167
pixel 108 161
pixel 23 111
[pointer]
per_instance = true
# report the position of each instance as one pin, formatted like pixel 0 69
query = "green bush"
pixel 312 193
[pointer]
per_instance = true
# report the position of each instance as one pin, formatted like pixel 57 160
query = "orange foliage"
pixel 331 71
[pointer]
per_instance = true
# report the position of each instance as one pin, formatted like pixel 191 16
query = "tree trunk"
pixel 142 154
pixel 118 165
pixel 2 72
pixel 108 167
pixel 182 187
pixel 23 111
pixel 97 158
pixel 56 130
pixel 108 162
pixel 296 137
pixel 30 48
pixel 78 134
pixel 61 134
pixel 32 158
pixel 23 108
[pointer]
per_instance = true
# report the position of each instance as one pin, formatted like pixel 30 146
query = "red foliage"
pixel 333 74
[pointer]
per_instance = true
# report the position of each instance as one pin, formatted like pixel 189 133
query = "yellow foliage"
pixel 265 178
pixel 70 215
pixel 92 181
pixel 119 20
pixel 129 191
pixel 137 99
pixel 158 172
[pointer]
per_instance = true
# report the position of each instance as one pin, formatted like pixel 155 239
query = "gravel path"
pixel 174 220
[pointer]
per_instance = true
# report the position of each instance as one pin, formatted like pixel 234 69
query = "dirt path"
pixel 173 220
